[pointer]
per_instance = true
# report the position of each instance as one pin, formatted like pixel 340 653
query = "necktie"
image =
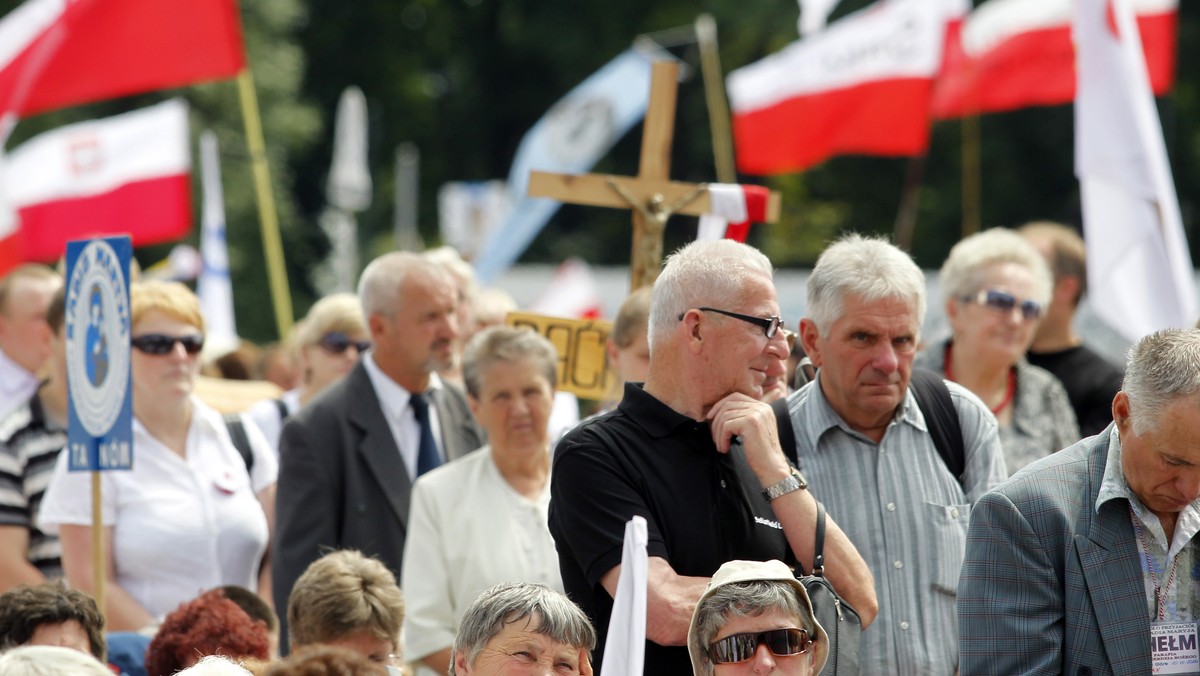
pixel 427 452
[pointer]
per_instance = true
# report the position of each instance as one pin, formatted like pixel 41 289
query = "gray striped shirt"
pixel 906 514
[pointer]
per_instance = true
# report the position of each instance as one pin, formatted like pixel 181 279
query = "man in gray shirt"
pixel 865 448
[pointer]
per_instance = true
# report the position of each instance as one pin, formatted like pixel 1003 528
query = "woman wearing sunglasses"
pixel 189 516
pixel 329 341
pixel 996 286
pixel 755 618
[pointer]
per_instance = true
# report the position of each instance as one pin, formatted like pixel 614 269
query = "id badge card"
pixel 1173 648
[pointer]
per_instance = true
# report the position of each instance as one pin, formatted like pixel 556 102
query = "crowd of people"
pixel 405 503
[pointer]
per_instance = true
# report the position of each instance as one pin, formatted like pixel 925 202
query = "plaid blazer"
pixel 1048 586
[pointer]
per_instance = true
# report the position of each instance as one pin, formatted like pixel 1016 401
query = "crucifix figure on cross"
pixel 652 196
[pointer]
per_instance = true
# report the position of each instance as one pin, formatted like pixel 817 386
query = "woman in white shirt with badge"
pixel 482 519
pixel 192 514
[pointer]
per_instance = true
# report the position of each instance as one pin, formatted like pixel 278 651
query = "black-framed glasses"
pixel 336 342
pixel 741 647
pixel 160 343
pixel 769 325
pixel 1005 302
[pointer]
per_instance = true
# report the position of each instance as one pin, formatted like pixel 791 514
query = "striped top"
pixel 29 446
pixel 906 514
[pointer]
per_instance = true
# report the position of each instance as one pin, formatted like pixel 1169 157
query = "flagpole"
pixel 972 177
pixel 910 202
pixel 272 244
pixel 714 93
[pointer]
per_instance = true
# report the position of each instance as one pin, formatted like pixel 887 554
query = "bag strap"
pixel 933 398
pixel 818 568
pixel 787 434
pixel 237 434
pixel 282 408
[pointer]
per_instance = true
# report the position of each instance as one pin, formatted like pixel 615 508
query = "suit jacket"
pixel 1049 586
pixel 342 483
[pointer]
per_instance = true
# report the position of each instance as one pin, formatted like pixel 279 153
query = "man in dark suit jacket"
pixel 349 459
pixel 1055 579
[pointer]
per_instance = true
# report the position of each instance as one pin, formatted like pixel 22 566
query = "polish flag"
pixel 734 208
pixel 59 53
pixel 862 86
pixel 1138 260
pixel 124 174
pixel 1019 53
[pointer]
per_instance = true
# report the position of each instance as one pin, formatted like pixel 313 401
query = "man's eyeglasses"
pixel 160 344
pixel 769 325
pixel 336 342
pixel 741 647
pixel 1005 302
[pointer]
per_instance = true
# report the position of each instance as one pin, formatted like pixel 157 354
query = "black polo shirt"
pixel 702 507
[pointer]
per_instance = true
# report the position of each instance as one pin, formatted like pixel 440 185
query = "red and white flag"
pixel 862 86
pixel 572 293
pixel 734 208
pixel 1019 53
pixel 124 174
pixel 1140 273
pixel 59 53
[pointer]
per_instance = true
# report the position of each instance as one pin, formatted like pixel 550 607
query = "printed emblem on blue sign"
pixel 98 318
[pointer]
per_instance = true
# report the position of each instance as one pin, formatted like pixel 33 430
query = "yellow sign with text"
pixel 582 362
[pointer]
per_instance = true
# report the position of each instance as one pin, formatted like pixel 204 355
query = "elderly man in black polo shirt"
pixel 695 453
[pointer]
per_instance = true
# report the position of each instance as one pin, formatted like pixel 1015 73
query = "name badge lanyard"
pixel 1160 593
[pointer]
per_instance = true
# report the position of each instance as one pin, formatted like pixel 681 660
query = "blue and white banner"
pixel 100 401
pixel 215 288
pixel 570 138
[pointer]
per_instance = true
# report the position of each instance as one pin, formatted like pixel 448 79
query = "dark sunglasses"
pixel 1005 302
pixel 741 647
pixel 159 343
pixel 769 325
pixel 336 342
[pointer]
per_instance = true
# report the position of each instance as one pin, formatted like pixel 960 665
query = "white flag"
pixel 215 288
pixel 1140 273
pixel 625 651
pixel 570 138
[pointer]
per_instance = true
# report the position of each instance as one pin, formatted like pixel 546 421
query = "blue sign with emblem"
pixel 100 405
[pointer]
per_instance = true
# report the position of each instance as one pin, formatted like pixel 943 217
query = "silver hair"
pixel 869 267
pixel 962 273
pixel 551 612
pixel 708 272
pixel 214 665
pixel 1161 368
pixel 380 283
pixel 507 344
pixel 46 660
pixel 744 599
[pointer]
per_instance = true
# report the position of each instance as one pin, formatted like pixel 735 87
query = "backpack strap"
pixel 787 434
pixel 933 398
pixel 237 434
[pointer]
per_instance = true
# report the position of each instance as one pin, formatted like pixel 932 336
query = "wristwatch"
pixel 794 482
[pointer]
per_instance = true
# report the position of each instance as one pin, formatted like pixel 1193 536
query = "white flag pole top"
pixel 814 14
pixel 215 287
pixel 625 649
pixel 570 138
pixel 349 186
pixel 1141 276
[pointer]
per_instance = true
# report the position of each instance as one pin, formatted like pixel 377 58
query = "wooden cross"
pixel 652 196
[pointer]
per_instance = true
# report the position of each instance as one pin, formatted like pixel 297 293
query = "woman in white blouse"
pixel 192 514
pixel 481 519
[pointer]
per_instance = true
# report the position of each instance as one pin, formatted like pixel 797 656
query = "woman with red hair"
pixel 208 625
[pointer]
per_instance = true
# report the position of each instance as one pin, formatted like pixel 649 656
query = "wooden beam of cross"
pixel 652 196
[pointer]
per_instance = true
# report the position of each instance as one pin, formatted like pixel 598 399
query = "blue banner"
pixel 570 138
pixel 100 404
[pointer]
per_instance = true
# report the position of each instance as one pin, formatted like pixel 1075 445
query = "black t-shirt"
pixel 1090 380
pixel 702 507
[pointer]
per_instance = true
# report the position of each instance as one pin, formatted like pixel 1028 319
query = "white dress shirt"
pixel 405 430
pixel 16 385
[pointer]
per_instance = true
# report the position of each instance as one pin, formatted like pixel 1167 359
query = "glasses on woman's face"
pixel 160 343
pixel 336 342
pixel 1005 302
pixel 741 647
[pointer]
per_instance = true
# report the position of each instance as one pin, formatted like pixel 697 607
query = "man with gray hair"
pixel 864 441
pixel 348 460
pixel 515 626
pixel 1085 561
pixel 696 453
